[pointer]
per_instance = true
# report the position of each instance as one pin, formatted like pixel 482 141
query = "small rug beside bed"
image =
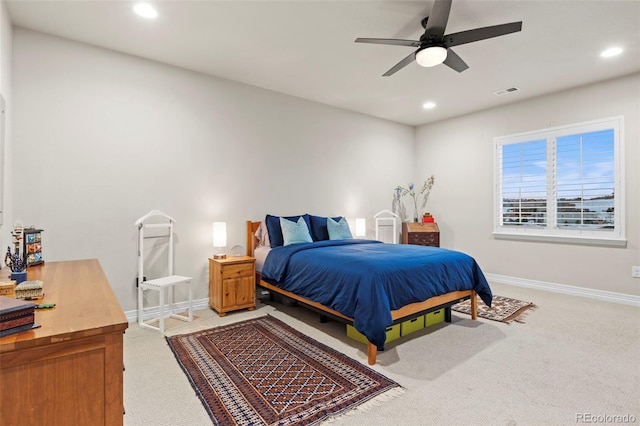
pixel 263 372
pixel 503 309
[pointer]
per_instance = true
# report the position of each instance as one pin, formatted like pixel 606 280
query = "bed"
pixel 367 283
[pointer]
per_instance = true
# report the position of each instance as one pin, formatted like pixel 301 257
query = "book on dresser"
pixel 16 315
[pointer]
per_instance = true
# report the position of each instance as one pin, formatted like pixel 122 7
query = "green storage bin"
pixel 412 325
pixel 393 333
pixel 434 317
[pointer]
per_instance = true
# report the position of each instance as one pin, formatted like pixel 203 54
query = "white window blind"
pixel 585 186
pixel 523 178
pixel 562 183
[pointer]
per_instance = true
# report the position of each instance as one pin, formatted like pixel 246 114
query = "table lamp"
pixel 220 239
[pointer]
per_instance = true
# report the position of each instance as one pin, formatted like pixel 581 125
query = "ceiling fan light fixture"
pixel 431 56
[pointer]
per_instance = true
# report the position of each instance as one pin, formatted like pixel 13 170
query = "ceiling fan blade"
pixel 484 33
pixel 403 63
pixel 391 41
pixel 455 62
pixel 437 22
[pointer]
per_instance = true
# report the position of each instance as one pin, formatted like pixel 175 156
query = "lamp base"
pixel 219 256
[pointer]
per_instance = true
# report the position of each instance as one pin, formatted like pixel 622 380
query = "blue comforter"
pixel 366 279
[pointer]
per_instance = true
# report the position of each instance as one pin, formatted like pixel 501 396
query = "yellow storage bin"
pixel 393 333
pixel 434 317
pixel 412 325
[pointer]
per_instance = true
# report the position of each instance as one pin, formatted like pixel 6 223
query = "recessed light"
pixel 145 10
pixel 610 52
pixel 429 105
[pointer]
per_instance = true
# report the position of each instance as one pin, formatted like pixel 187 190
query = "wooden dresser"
pixel 70 370
pixel 422 234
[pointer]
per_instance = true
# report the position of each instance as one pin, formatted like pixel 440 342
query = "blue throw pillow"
pixel 295 232
pixel 275 231
pixel 338 230
pixel 319 227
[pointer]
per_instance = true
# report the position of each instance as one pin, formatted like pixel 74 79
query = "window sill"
pixel 589 241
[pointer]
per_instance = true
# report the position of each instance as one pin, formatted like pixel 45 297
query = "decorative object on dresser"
pixel 16 264
pixel 32 289
pixel 165 284
pixel 16 316
pixel 8 288
pixel 32 247
pixel 274 375
pixel 15 260
pixel 422 234
pixel 232 284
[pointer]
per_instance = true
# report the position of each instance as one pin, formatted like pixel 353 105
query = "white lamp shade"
pixel 361 227
pixel 219 234
pixel 431 56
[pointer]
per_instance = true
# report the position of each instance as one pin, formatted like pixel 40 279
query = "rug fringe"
pixel 367 405
pixel 523 315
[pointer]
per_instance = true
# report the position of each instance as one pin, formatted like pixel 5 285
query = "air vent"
pixel 505 91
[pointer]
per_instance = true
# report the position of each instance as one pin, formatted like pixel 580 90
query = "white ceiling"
pixel 306 48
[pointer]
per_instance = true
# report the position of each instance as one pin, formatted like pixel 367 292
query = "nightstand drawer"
pixel 237 271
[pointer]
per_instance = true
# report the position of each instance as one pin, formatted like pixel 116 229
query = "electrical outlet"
pixel 635 271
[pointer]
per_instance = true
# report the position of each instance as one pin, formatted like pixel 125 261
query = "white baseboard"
pixel 608 296
pixel 132 316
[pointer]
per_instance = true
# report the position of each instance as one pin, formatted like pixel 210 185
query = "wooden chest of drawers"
pixel 422 234
pixel 69 370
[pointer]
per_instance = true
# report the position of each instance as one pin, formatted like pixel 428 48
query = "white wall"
pixel 459 152
pixel 101 138
pixel 6 38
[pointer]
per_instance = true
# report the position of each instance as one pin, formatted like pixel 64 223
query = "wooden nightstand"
pixel 232 284
pixel 422 234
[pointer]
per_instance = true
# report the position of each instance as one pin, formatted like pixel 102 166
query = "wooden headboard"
pixel 252 241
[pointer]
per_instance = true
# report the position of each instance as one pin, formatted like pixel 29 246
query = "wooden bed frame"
pixel 399 315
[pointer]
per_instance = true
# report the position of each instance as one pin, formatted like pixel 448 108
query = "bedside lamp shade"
pixel 219 238
pixel 361 227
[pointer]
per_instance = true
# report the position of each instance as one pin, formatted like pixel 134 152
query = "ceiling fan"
pixel 434 47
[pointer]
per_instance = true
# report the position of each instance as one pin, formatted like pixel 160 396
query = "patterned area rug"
pixel 503 309
pixel 263 372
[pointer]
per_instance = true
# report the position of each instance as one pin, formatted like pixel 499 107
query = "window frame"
pixel 550 232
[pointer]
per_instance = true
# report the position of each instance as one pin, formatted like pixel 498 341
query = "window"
pixel 562 184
